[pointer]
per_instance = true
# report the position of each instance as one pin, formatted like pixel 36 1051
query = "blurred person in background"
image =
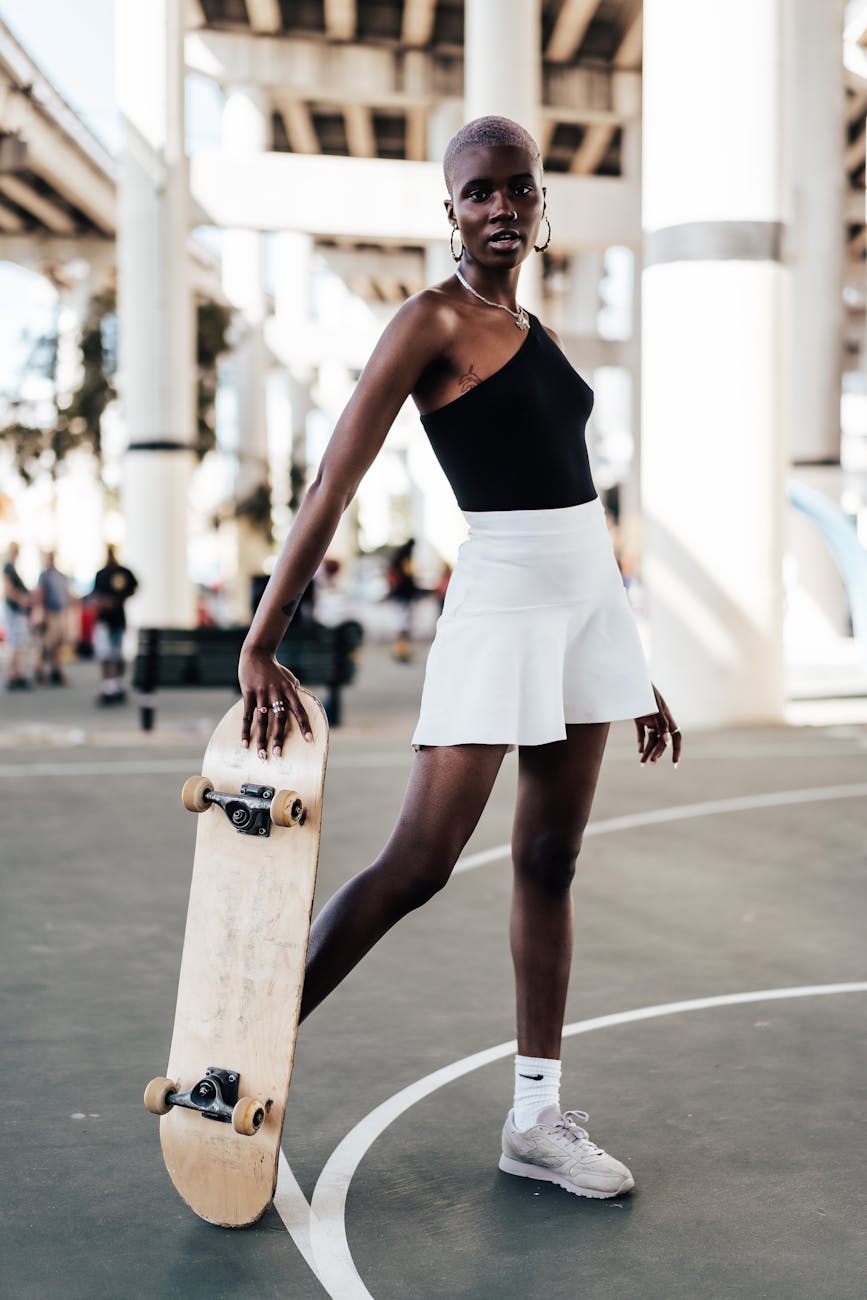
pixel 18 602
pixel 404 591
pixel 52 604
pixel 112 588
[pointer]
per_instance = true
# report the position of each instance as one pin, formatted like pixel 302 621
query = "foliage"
pixel 255 509
pixel 78 424
pixel 212 328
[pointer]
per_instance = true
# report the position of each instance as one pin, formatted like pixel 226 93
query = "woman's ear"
pixel 450 210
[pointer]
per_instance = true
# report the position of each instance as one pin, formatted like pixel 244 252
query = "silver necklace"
pixel 520 317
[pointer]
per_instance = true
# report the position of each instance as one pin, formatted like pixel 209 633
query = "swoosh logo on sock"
pixel 535 1077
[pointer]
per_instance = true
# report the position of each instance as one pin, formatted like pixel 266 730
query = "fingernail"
pixel 308 735
pixel 676 762
pixel 245 744
pixel 277 751
pixel 262 754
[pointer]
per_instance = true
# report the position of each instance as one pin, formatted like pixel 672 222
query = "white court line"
pixel 682 812
pixel 396 758
pixel 325 1230
pixel 155 766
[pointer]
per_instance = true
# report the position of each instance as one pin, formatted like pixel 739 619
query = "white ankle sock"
pixel 537 1085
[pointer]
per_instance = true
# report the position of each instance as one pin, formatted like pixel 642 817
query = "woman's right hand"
pixel 270 695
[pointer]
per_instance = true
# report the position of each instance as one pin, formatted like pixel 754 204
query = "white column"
pixel 157 374
pixel 815 115
pixel 293 251
pixel 245 131
pixel 815 146
pixel 503 75
pixel 714 313
pixel 444 120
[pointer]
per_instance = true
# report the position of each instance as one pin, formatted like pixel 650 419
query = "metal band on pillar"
pixel 159 444
pixel 715 241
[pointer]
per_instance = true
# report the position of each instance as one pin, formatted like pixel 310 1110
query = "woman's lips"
pixel 506 240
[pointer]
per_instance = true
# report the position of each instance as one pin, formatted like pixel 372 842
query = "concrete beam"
pixel 55 218
pixel 59 161
pixel 416 134
pixel 264 15
pixel 854 207
pixel 360 135
pixel 325 73
pixel 389 200
pixel 340 20
pixel 628 55
pixel 418 21
pixel 574 18
pixel 855 152
pixel 298 121
pixel 195 14
pixel 593 148
pixel 10 221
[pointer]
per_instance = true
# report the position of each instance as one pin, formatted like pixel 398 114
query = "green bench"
pixel 208 656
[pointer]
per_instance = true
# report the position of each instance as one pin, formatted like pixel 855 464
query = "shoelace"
pixel 573 1130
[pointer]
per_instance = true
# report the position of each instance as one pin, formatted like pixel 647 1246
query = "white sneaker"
pixel 557 1150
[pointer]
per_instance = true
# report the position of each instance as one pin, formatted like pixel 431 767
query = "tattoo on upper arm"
pixel 469 379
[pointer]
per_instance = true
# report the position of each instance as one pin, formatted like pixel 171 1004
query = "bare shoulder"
pixel 433 314
pixel 552 334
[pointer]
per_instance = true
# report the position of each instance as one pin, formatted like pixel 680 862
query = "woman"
pixel 536 648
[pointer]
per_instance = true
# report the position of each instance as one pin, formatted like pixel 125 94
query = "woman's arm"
pixel 412 340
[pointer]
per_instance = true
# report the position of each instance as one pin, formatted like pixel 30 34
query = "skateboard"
pixel 223 1097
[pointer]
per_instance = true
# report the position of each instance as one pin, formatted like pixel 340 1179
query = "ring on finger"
pixel 278 706
pixel 263 708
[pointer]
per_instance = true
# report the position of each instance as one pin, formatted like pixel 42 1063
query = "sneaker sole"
pixel 542 1175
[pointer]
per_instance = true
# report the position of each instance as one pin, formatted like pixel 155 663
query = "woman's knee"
pixel 414 878
pixel 547 861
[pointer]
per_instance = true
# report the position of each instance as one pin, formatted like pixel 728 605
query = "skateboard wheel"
pixel 156 1096
pixel 287 808
pixel 193 794
pixel 248 1116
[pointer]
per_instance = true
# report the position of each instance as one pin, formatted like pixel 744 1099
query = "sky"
pixel 72 42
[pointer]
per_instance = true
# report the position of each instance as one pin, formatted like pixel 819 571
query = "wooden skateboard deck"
pixel 242 972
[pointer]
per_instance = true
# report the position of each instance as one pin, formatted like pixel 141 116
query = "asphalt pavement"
pixel 716 1026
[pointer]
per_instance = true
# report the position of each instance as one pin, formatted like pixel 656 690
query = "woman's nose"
pixel 503 207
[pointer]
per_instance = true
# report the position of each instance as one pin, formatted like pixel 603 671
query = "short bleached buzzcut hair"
pixel 484 131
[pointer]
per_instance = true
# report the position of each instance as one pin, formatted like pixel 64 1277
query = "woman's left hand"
pixel 655 730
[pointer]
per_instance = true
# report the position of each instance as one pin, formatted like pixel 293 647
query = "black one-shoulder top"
pixel 517 440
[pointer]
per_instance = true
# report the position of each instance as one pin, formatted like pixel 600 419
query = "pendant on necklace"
pixel 522 320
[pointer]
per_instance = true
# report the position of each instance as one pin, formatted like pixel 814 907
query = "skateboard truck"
pixel 253 811
pixel 214 1097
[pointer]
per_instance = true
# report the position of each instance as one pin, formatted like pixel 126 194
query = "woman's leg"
pixel 556 784
pixel 447 792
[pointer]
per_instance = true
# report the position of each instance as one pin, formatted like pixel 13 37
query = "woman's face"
pixel 497 201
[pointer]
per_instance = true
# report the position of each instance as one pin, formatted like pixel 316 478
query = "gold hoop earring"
pixel 456 256
pixel 540 248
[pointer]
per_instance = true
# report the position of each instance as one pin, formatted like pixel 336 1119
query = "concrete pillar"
pixel 714 384
pixel 293 252
pixel 245 131
pixel 443 121
pixel 503 75
pixel 155 312
pixel 816 118
pixel 815 114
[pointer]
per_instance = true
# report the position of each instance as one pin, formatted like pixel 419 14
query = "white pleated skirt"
pixel 536 632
